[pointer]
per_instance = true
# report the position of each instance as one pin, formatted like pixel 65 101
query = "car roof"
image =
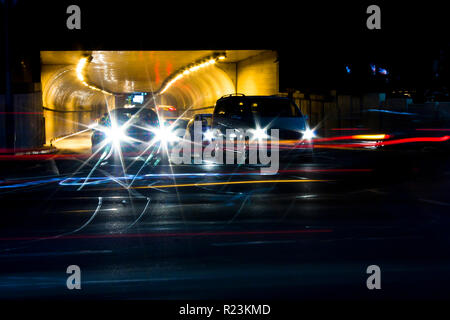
pixel 203 114
pixel 176 118
pixel 254 97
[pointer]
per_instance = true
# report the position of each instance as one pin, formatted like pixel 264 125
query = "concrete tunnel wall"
pixel 256 75
pixel 69 106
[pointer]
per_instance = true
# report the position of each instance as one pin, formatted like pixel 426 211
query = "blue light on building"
pixel 347 69
pixel 383 71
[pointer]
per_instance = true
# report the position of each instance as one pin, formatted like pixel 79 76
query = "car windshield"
pixel 181 123
pixel 177 122
pixel 207 120
pixel 123 115
pixel 257 107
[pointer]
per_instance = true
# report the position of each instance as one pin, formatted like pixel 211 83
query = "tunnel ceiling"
pixel 135 71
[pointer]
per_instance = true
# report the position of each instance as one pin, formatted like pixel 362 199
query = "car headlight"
pixel 208 135
pixel 259 134
pixel 116 134
pixel 165 134
pixel 308 134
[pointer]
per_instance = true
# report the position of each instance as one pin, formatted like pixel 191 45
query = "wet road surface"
pixel 212 232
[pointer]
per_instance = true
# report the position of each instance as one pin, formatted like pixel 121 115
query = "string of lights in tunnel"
pixel 189 69
pixel 200 64
pixel 80 71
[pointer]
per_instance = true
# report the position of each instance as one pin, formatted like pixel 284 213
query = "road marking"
pixel 220 183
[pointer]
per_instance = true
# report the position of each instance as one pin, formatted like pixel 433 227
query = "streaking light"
pixel 391 112
pixel 371 136
pixel 381 136
pixel 221 183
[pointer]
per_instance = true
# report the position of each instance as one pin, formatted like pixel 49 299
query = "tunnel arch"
pixel 201 89
pixel 69 106
pixel 123 72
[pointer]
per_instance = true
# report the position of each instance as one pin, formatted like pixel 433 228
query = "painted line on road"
pixel 201 184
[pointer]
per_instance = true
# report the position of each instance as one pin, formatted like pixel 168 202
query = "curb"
pixel 29 151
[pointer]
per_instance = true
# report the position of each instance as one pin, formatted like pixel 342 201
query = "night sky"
pixel 315 40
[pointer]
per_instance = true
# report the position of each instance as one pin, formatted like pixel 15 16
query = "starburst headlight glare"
pixel 209 135
pixel 165 134
pixel 116 134
pixel 259 134
pixel 232 135
pixel 308 134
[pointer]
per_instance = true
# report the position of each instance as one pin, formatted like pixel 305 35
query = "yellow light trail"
pixel 370 136
pixel 202 184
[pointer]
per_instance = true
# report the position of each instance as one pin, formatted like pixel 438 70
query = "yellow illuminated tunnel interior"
pixel 79 86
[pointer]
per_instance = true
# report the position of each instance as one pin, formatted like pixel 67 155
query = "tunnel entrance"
pixel 79 86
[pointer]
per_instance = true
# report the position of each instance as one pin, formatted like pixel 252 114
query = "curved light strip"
pixel 80 70
pixel 189 69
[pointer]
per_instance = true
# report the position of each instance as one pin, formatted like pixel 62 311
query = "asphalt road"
pixel 309 232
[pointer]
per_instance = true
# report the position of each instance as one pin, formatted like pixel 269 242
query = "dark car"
pixel 131 128
pixel 260 112
pixel 254 117
pixel 206 120
pixel 176 122
pixel 174 129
